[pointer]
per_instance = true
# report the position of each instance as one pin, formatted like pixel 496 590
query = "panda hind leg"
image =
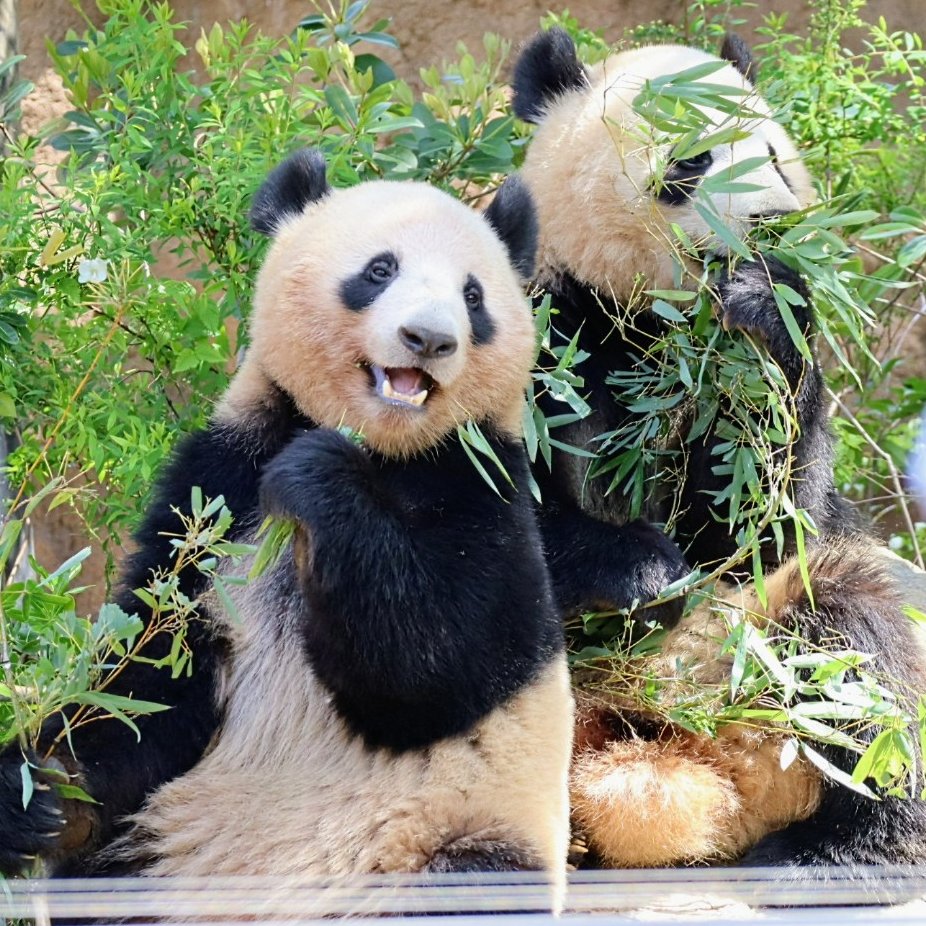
pixel 872 849
pixel 474 855
pixel 857 862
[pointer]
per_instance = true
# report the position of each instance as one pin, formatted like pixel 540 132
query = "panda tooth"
pixel 389 392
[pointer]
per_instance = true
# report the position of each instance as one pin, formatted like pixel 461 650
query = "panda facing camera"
pixel 393 694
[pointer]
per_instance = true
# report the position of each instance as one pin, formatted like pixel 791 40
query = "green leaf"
pixel 470 435
pixel 668 312
pixel 7 406
pixel 738 668
pixel 68 565
pixel 781 292
pixel 74 793
pixel 802 559
pixel 722 231
pixel 915 615
pixel 51 486
pixel 28 785
pixel 227 602
pixel 834 773
pixel 789 752
pixel 480 468
pixel 278 534
pixel 885 758
pixel 341 103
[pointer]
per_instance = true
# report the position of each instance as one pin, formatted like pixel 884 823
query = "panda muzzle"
pixel 402 385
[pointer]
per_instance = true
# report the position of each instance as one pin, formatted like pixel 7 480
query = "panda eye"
pixel 697 162
pixel 472 295
pixel 381 269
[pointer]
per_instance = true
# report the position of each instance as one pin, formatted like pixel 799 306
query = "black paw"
pixel 620 569
pixel 747 303
pixel 662 564
pixel 30 832
pixel 314 465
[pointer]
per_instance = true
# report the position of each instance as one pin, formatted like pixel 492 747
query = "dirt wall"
pixel 429 31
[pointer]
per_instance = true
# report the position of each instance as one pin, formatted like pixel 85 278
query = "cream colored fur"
pixel 592 160
pixel 681 797
pixel 288 789
pixel 313 346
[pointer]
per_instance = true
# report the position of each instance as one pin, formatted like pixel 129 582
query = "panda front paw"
pixel 618 569
pixel 663 565
pixel 316 470
pixel 747 303
pixel 26 833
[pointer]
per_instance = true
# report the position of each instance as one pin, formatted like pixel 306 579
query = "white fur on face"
pixel 318 350
pixel 592 164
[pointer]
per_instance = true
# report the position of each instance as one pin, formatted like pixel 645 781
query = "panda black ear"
pixel 299 180
pixel 739 54
pixel 547 68
pixel 514 218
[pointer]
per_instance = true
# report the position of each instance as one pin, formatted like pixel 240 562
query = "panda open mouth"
pixel 402 385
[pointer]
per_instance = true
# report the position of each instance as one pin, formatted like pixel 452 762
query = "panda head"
pixel 391 307
pixel 607 197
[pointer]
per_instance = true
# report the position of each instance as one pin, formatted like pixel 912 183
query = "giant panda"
pixel 392 695
pixel 606 208
pixel 645 791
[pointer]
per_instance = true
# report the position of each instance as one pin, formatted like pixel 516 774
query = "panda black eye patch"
pixel 363 288
pixel 481 324
pixel 682 177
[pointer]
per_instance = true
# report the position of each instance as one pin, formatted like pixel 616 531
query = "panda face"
pixel 393 309
pixel 608 194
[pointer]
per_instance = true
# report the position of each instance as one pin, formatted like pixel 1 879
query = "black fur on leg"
pixel 597 566
pixel 109 762
pixel 748 304
pixel 473 855
pixel 35 830
pixel 547 68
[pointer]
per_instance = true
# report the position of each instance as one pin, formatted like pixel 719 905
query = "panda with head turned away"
pixel 647 791
pixel 393 694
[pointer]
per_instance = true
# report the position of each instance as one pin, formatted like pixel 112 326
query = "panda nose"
pixel 426 343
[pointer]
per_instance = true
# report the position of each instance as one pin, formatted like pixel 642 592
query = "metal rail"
pixel 721 896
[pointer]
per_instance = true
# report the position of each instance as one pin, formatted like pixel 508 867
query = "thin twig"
pixel 900 495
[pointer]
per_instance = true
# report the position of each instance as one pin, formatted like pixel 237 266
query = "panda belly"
pixel 288 789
